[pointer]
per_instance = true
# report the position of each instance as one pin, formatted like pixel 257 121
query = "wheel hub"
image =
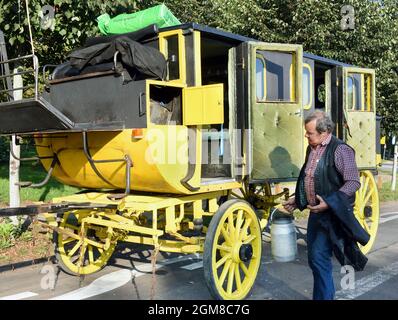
pixel 245 252
pixel 367 211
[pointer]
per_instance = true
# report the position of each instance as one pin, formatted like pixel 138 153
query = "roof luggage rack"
pixel 72 101
pixel 29 114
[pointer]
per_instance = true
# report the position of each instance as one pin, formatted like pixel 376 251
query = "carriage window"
pixel 307 87
pixel 350 92
pixel 356 92
pixel 359 92
pixel 171 47
pixel 260 78
pixel 279 76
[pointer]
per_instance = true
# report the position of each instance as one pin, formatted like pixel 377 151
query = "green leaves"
pixel 314 24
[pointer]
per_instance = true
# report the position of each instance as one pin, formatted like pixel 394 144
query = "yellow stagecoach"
pixel 190 160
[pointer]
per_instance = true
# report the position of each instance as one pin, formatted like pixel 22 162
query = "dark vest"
pixel 327 178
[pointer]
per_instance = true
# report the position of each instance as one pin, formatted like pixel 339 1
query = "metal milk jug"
pixel 283 238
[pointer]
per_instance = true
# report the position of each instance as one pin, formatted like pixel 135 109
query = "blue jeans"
pixel 320 258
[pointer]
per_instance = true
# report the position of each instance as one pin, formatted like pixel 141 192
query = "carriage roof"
pixel 236 39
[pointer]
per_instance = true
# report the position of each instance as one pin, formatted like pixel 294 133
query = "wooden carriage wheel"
pixel 82 249
pixel 232 251
pixel 366 207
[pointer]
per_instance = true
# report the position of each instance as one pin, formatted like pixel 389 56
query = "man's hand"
pixel 289 205
pixel 322 206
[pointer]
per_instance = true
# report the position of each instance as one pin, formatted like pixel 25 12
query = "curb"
pixel 27 263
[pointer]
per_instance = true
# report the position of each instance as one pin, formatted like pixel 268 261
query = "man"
pixel 329 168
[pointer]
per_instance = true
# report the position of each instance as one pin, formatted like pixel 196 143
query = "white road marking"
pixel 118 279
pixel 101 285
pixel 382 220
pixel 388 213
pixel 193 266
pixel 145 268
pixel 394 215
pixel 368 283
pixel 193 256
pixel 19 296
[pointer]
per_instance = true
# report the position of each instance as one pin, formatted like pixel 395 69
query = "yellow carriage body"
pixel 158 165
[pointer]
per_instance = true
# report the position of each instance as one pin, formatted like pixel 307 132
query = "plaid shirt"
pixel 344 159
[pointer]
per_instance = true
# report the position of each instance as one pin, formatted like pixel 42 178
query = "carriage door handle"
pixel 297 113
pixel 141 110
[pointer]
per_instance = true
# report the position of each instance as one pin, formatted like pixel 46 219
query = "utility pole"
pixel 15 199
pixel 394 167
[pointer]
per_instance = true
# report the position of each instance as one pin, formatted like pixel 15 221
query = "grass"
pixel 15 244
pixel 7 235
pixel 385 193
pixel 32 172
pixel 10 233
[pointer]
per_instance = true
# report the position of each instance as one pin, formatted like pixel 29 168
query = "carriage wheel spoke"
pixel 366 199
pixel 361 181
pixel 237 277
pixel 74 249
pixel 239 222
pixel 231 277
pixel 231 228
pixel 226 236
pixel 249 239
pixel 225 271
pixel 365 187
pixel 244 268
pixel 244 229
pixel 81 260
pixel 224 247
pixel 223 260
pixel 90 254
pixel 68 240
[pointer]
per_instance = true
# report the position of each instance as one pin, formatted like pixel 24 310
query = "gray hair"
pixel 323 121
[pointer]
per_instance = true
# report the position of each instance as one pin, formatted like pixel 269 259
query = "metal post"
pixel 394 168
pixel 15 200
pixel 384 151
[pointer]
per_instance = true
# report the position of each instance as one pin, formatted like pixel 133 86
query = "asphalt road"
pixel 129 275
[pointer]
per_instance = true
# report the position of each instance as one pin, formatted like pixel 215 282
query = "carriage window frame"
pixel 292 81
pixel 350 86
pixel 163 37
pixel 260 57
pixel 365 95
pixel 310 87
pixel 293 75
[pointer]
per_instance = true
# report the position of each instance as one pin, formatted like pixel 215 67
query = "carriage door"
pixel 275 106
pixel 360 114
